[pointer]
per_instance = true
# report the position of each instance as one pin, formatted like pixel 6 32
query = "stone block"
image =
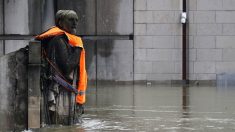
pixel 1 47
pixel 191 67
pixel 178 67
pixel 225 67
pixel 163 67
pixel 1 19
pixel 209 54
pixel 204 42
pixel 13 91
pixel 165 17
pixel 143 42
pixel 192 76
pixel 225 17
pixel 16 13
pixel 140 29
pixel 163 42
pixel 177 54
pixel 33 118
pixel 204 67
pixel 225 42
pixel 159 77
pixel 140 5
pixel 177 29
pixel 176 76
pixel 13 45
pixel 164 5
pixel 192 5
pixel 159 54
pixel 191 42
pixel 115 60
pixel 34 84
pixel 160 29
pixel 140 54
pixel 34 102
pixel 192 54
pixel 228 5
pixel 209 4
pixel 209 29
pixel 139 77
pixel 204 17
pixel 143 17
pixel 190 17
pixel 206 76
pixel 35 9
pixel 111 21
pixel 178 42
pixel 228 29
pixel 142 67
pixel 228 54
pixel 35 52
pixel 193 29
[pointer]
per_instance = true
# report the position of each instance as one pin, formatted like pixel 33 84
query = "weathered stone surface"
pixel 1 17
pixel 117 20
pixel 115 60
pixel 13 91
pixel 35 9
pixel 14 45
pixel 16 13
pixel 35 52
pixel 34 84
pixel 1 48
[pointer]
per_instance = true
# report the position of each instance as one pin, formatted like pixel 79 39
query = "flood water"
pixel 157 108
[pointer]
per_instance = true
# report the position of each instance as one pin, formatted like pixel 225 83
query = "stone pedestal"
pixel 34 92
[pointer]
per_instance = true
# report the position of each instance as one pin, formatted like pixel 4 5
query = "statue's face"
pixel 69 23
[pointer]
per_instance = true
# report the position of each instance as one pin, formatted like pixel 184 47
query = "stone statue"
pixel 64 78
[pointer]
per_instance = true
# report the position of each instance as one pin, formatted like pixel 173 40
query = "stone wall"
pixel 158 40
pixel 212 30
pixel 13 91
pixel 157 45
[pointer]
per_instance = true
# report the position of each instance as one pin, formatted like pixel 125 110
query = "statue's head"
pixel 67 20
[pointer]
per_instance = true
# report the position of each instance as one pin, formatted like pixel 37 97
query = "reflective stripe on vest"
pixel 76 42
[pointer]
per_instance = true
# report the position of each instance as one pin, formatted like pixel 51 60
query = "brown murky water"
pixel 157 108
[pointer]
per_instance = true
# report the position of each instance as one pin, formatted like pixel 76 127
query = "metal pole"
pixel 184 47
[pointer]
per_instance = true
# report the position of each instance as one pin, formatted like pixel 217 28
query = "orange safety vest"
pixel 76 42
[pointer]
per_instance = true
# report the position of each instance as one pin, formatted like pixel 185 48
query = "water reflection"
pixel 158 108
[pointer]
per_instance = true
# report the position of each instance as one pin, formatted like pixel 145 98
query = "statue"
pixel 64 77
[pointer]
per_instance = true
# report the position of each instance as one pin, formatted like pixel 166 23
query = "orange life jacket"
pixel 76 42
